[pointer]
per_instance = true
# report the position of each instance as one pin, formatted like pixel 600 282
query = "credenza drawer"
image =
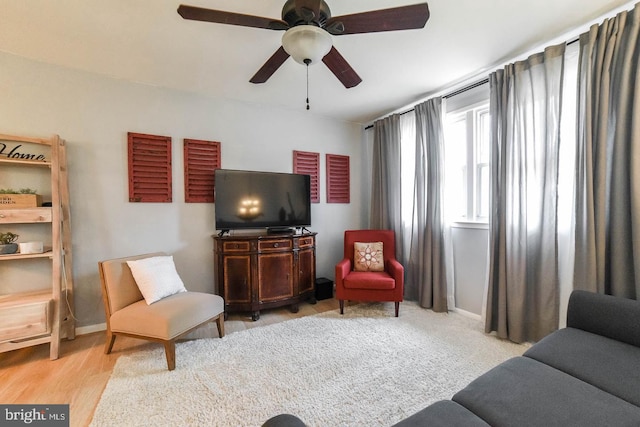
pixel 236 246
pixel 305 242
pixel 275 245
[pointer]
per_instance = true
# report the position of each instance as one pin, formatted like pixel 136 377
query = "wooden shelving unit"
pixel 43 315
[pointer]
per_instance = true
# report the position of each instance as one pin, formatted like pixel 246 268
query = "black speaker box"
pixel 324 288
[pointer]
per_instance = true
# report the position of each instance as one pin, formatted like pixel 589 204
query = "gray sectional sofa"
pixel 587 374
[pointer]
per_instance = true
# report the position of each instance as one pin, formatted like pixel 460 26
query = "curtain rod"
pixel 449 95
pixel 466 88
pixel 469 87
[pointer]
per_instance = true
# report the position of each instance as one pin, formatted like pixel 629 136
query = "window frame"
pixel 472 168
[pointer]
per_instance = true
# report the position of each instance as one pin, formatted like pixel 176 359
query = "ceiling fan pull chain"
pixel 307 62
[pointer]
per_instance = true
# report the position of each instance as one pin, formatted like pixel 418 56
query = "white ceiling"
pixel 146 41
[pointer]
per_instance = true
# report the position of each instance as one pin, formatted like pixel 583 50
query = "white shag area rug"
pixel 365 368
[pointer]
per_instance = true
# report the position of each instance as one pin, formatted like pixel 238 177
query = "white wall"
pixel 470 247
pixel 94 113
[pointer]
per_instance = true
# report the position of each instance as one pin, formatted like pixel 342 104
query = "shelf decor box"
pixel 20 201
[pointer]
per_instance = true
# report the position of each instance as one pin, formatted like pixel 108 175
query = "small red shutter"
pixel 201 159
pixel 306 163
pixel 338 188
pixel 149 168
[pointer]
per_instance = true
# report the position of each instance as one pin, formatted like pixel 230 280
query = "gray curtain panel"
pixel 386 183
pixel 522 290
pixel 426 274
pixel 607 197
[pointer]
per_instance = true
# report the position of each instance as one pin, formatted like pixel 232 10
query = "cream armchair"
pixel 163 321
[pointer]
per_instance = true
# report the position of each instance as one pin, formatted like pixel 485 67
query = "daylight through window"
pixel 467 164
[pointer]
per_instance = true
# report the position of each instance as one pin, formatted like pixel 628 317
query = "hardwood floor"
pixel 79 376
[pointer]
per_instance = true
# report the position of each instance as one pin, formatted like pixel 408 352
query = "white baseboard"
pixel 467 313
pixel 84 330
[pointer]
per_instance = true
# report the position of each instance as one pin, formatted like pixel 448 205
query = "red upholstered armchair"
pixel 369 255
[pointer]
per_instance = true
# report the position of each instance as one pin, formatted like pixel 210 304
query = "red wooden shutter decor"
pixel 201 159
pixel 306 163
pixel 338 188
pixel 149 168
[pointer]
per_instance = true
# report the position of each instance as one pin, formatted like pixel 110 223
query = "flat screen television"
pixel 251 199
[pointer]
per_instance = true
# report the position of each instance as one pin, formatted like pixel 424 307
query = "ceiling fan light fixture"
pixel 306 43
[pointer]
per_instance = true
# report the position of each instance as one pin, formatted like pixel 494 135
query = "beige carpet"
pixel 366 368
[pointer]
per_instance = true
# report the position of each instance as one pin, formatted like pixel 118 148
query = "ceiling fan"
pixel 309 27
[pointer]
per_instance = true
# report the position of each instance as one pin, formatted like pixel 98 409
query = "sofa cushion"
pixel 168 318
pixel 613 317
pixel 610 365
pixel 122 289
pixel 156 277
pixel 284 420
pixel 368 256
pixel 369 280
pixel 524 392
pixel 444 413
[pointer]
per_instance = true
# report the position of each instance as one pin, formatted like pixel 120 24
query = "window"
pixel 467 164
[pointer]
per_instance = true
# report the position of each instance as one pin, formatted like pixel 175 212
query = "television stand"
pixel 262 271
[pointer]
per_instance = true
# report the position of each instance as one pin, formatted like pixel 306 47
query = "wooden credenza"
pixel 261 271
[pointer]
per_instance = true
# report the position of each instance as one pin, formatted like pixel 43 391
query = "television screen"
pixel 248 199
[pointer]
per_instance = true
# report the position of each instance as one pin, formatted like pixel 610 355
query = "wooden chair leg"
pixel 341 306
pixel 397 307
pixel 111 338
pixel 220 324
pixel 170 352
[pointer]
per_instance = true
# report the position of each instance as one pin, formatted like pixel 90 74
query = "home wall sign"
pixel 19 152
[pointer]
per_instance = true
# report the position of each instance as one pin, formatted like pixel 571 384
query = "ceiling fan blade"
pixel 270 67
pixel 308 9
pixel 341 68
pixel 221 17
pixel 397 18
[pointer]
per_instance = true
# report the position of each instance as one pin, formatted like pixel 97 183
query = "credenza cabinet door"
pixel 237 279
pixel 275 277
pixel 306 270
